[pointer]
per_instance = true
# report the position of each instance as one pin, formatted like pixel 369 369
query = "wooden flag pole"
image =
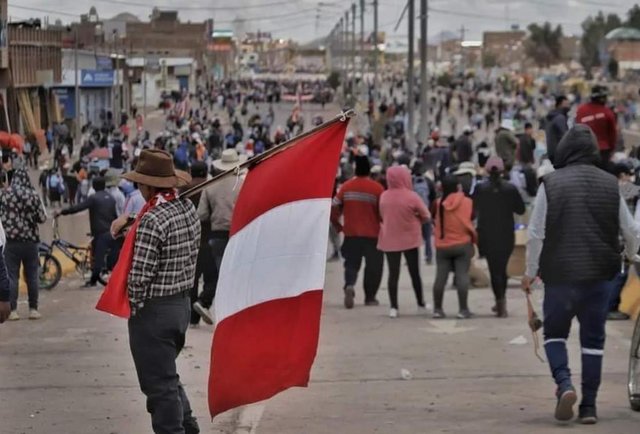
pixel 342 117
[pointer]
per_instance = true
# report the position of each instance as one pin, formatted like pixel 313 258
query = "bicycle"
pixel 633 383
pixel 50 267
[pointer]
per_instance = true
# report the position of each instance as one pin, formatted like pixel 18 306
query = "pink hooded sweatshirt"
pixel 402 211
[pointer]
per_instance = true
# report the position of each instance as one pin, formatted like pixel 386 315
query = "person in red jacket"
pixel 357 201
pixel 602 121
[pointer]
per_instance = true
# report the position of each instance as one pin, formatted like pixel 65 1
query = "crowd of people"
pixel 448 200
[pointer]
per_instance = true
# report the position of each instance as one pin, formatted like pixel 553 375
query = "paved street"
pixel 72 373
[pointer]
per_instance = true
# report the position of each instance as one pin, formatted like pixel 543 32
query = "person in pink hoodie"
pixel 402 212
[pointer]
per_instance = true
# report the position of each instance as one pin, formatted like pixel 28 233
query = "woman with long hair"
pixel 495 202
pixel 403 213
pixel 454 240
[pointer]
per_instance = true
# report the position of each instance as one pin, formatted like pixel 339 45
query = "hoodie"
pixel 578 146
pixel 602 121
pixel 458 229
pixel 402 212
pixel 21 209
pixel 555 130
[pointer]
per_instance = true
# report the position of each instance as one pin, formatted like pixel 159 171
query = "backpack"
pixel 421 186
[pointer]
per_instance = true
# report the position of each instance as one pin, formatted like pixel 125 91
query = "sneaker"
pixel 194 326
pixel 421 310
pixel 617 316
pixel 464 314
pixel 34 314
pixel 89 284
pixel 204 313
pixel 587 416
pixel 566 400
pixel 393 313
pixel 439 314
pixel 349 297
pixel 335 257
pixel 13 316
pixel 373 302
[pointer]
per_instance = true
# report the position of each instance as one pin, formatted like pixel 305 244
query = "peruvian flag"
pixel 269 294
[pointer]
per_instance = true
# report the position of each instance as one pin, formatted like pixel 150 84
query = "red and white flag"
pixel 269 294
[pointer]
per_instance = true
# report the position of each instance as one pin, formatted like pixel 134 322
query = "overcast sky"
pixel 305 20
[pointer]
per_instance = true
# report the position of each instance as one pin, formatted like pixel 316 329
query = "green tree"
pixel 633 17
pixel 544 44
pixel 594 30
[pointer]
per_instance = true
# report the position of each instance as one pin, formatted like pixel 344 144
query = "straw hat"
pixel 230 159
pixel 155 169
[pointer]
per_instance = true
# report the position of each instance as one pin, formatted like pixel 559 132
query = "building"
pixel 570 47
pixel 96 82
pixel 150 78
pixel 503 49
pixel 34 66
pixel 623 45
pixel 164 35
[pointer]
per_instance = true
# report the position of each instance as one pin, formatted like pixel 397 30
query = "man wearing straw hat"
pixel 162 272
pixel 216 206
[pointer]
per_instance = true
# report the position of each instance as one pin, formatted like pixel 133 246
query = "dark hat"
pixel 363 166
pixel 155 168
pixel 199 169
pixel 599 91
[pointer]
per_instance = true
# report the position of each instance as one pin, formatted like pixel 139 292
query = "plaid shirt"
pixel 165 252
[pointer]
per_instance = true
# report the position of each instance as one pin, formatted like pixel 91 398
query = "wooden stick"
pixel 342 117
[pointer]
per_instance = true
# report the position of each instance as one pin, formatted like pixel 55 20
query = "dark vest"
pixel 582 227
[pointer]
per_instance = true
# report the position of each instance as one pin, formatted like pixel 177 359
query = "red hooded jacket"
pixel 602 122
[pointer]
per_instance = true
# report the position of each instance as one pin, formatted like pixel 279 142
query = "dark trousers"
pixel 207 269
pixel 455 259
pixel 18 253
pixel 393 260
pixel 617 285
pixel 427 231
pixel 156 337
pixel 100 245
pixel 498 261
pixel 354 249
pixel 589 301
pixel 218 244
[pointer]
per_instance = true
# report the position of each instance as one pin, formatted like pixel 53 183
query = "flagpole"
pixel 342 117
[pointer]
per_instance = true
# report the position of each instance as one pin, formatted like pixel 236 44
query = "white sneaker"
pixel 421 310
pixel 13 316
pixel 34 314
pixel 393 313
pixel 204 313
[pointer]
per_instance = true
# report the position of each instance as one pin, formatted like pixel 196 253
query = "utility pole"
pixel 362 41
pixel 347 48
pixel 409 134
pixel 424 82
pixel 144 81
pixel 353 52
pixel 76 91
pixel 375 47
pixel 463 60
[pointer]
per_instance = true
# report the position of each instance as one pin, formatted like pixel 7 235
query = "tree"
pixel 594 30
pixel 633 17
pixel 544 44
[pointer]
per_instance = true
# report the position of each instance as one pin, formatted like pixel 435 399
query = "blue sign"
pixel 103 63
pixel 66 98
pixel 95 78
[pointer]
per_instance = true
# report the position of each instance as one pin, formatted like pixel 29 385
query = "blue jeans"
pixel 18 253
pixel 617 285
pixel 427 231
pixel 589 301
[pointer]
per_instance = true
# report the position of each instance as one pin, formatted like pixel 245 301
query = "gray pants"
pixel 18 253
pixel 455 259
pixel 156 337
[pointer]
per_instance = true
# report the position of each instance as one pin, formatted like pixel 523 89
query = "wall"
pixel 33 50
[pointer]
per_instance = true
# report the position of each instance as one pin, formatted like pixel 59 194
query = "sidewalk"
pixel 72 373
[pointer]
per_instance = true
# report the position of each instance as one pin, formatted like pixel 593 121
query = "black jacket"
pixel 582 224
pixel 494 206
pixel 555 130
pixel 102 211
pixel 463 148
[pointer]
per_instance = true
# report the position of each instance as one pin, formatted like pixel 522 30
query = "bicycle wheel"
pixel 50 271
pixel 634 369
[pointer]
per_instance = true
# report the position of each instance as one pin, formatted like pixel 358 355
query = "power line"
pixel 46 11
pixel 196 8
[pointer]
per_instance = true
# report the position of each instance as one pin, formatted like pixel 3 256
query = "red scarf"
pixel 115 298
